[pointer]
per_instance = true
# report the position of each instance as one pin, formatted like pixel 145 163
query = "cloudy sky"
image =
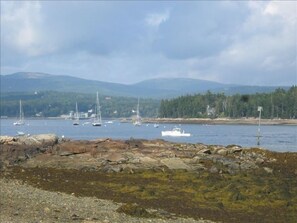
pixel 242 42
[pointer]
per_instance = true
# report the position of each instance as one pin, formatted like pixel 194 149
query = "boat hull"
pixel 174 134
pixel 18 123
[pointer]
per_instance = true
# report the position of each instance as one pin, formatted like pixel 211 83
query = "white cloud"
pixel 285 9
pixel 264 49
pixel 155 19
pixel 22 27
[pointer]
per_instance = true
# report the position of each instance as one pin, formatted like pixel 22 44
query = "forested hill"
pixel 154 88
pixel 278 104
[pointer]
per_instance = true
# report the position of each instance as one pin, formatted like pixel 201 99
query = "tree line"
pixel 278 104
pixel 54 104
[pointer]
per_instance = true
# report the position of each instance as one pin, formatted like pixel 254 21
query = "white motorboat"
pixel 175 132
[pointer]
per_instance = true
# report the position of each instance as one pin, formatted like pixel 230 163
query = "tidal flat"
pixel 215 183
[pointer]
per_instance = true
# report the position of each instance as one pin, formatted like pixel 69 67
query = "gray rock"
pixel 42 140
pixel 7 139
pixel 195 159
pixel 66 153
pixel 259 161
pixel 175 163
pixel 234 149
pixel 247 164
pixel 268 170
pixel 205 151
pixel 116 157
pixel 213 169
pixel 222 152
pixel 147 160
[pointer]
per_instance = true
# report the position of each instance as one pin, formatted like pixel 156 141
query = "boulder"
pixel 247 165
pixel 222 152
pixel 234 148
pixel 116 157
pixel 8 140
pixel 148 162
pixel 268 170
pixel 42 140
pixel 175 163
pixel 205 151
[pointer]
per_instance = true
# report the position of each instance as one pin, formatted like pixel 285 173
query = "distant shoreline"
pixel 222 121
pixel 203 121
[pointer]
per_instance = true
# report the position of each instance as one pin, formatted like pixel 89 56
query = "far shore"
pixel 203 121
pixel 222 121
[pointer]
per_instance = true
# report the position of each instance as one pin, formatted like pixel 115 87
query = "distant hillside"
pixel 154 88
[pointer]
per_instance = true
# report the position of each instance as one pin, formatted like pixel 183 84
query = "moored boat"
pixel 97 120
pixel 175 132
pixel 76 117
pixel 137 121
pixel 21 117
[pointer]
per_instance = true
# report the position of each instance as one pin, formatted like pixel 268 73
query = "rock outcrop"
pixel 14 150
pixel 109 155
pixel 229 183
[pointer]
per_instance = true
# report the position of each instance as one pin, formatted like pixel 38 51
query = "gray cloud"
pixel 231 42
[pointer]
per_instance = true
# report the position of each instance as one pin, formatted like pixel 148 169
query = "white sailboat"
pixel 76 116
pixel 137 121
pixel 97 120
pixel 21 118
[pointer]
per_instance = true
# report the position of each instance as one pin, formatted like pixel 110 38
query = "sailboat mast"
pixel 99 110
pixel 137 112
pixel 21 111
pixel 76 111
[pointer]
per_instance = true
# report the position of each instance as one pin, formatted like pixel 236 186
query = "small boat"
pixel 137 121
pixel 156 125
pixel 97 120
pixel 175 132
pixel 76 116
pixel 21 118
pixel 20 133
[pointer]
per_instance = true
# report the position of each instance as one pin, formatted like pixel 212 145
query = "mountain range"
pixel 153 88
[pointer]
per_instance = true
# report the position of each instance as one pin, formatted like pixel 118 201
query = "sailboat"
pixel 137 121
pixel 97 120
pixel 21 118
pixel 76 116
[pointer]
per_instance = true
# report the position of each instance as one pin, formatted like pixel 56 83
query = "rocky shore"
pixel 63 180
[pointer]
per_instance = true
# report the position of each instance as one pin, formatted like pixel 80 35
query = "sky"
pixel 237 42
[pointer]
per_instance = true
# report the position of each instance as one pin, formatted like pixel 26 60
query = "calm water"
pixel 277 138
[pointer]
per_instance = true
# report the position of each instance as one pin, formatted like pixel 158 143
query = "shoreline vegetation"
pixel 224 121
pixel 204 121
pixel 61 180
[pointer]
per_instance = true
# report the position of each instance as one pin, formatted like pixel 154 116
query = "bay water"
pixel 280 138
